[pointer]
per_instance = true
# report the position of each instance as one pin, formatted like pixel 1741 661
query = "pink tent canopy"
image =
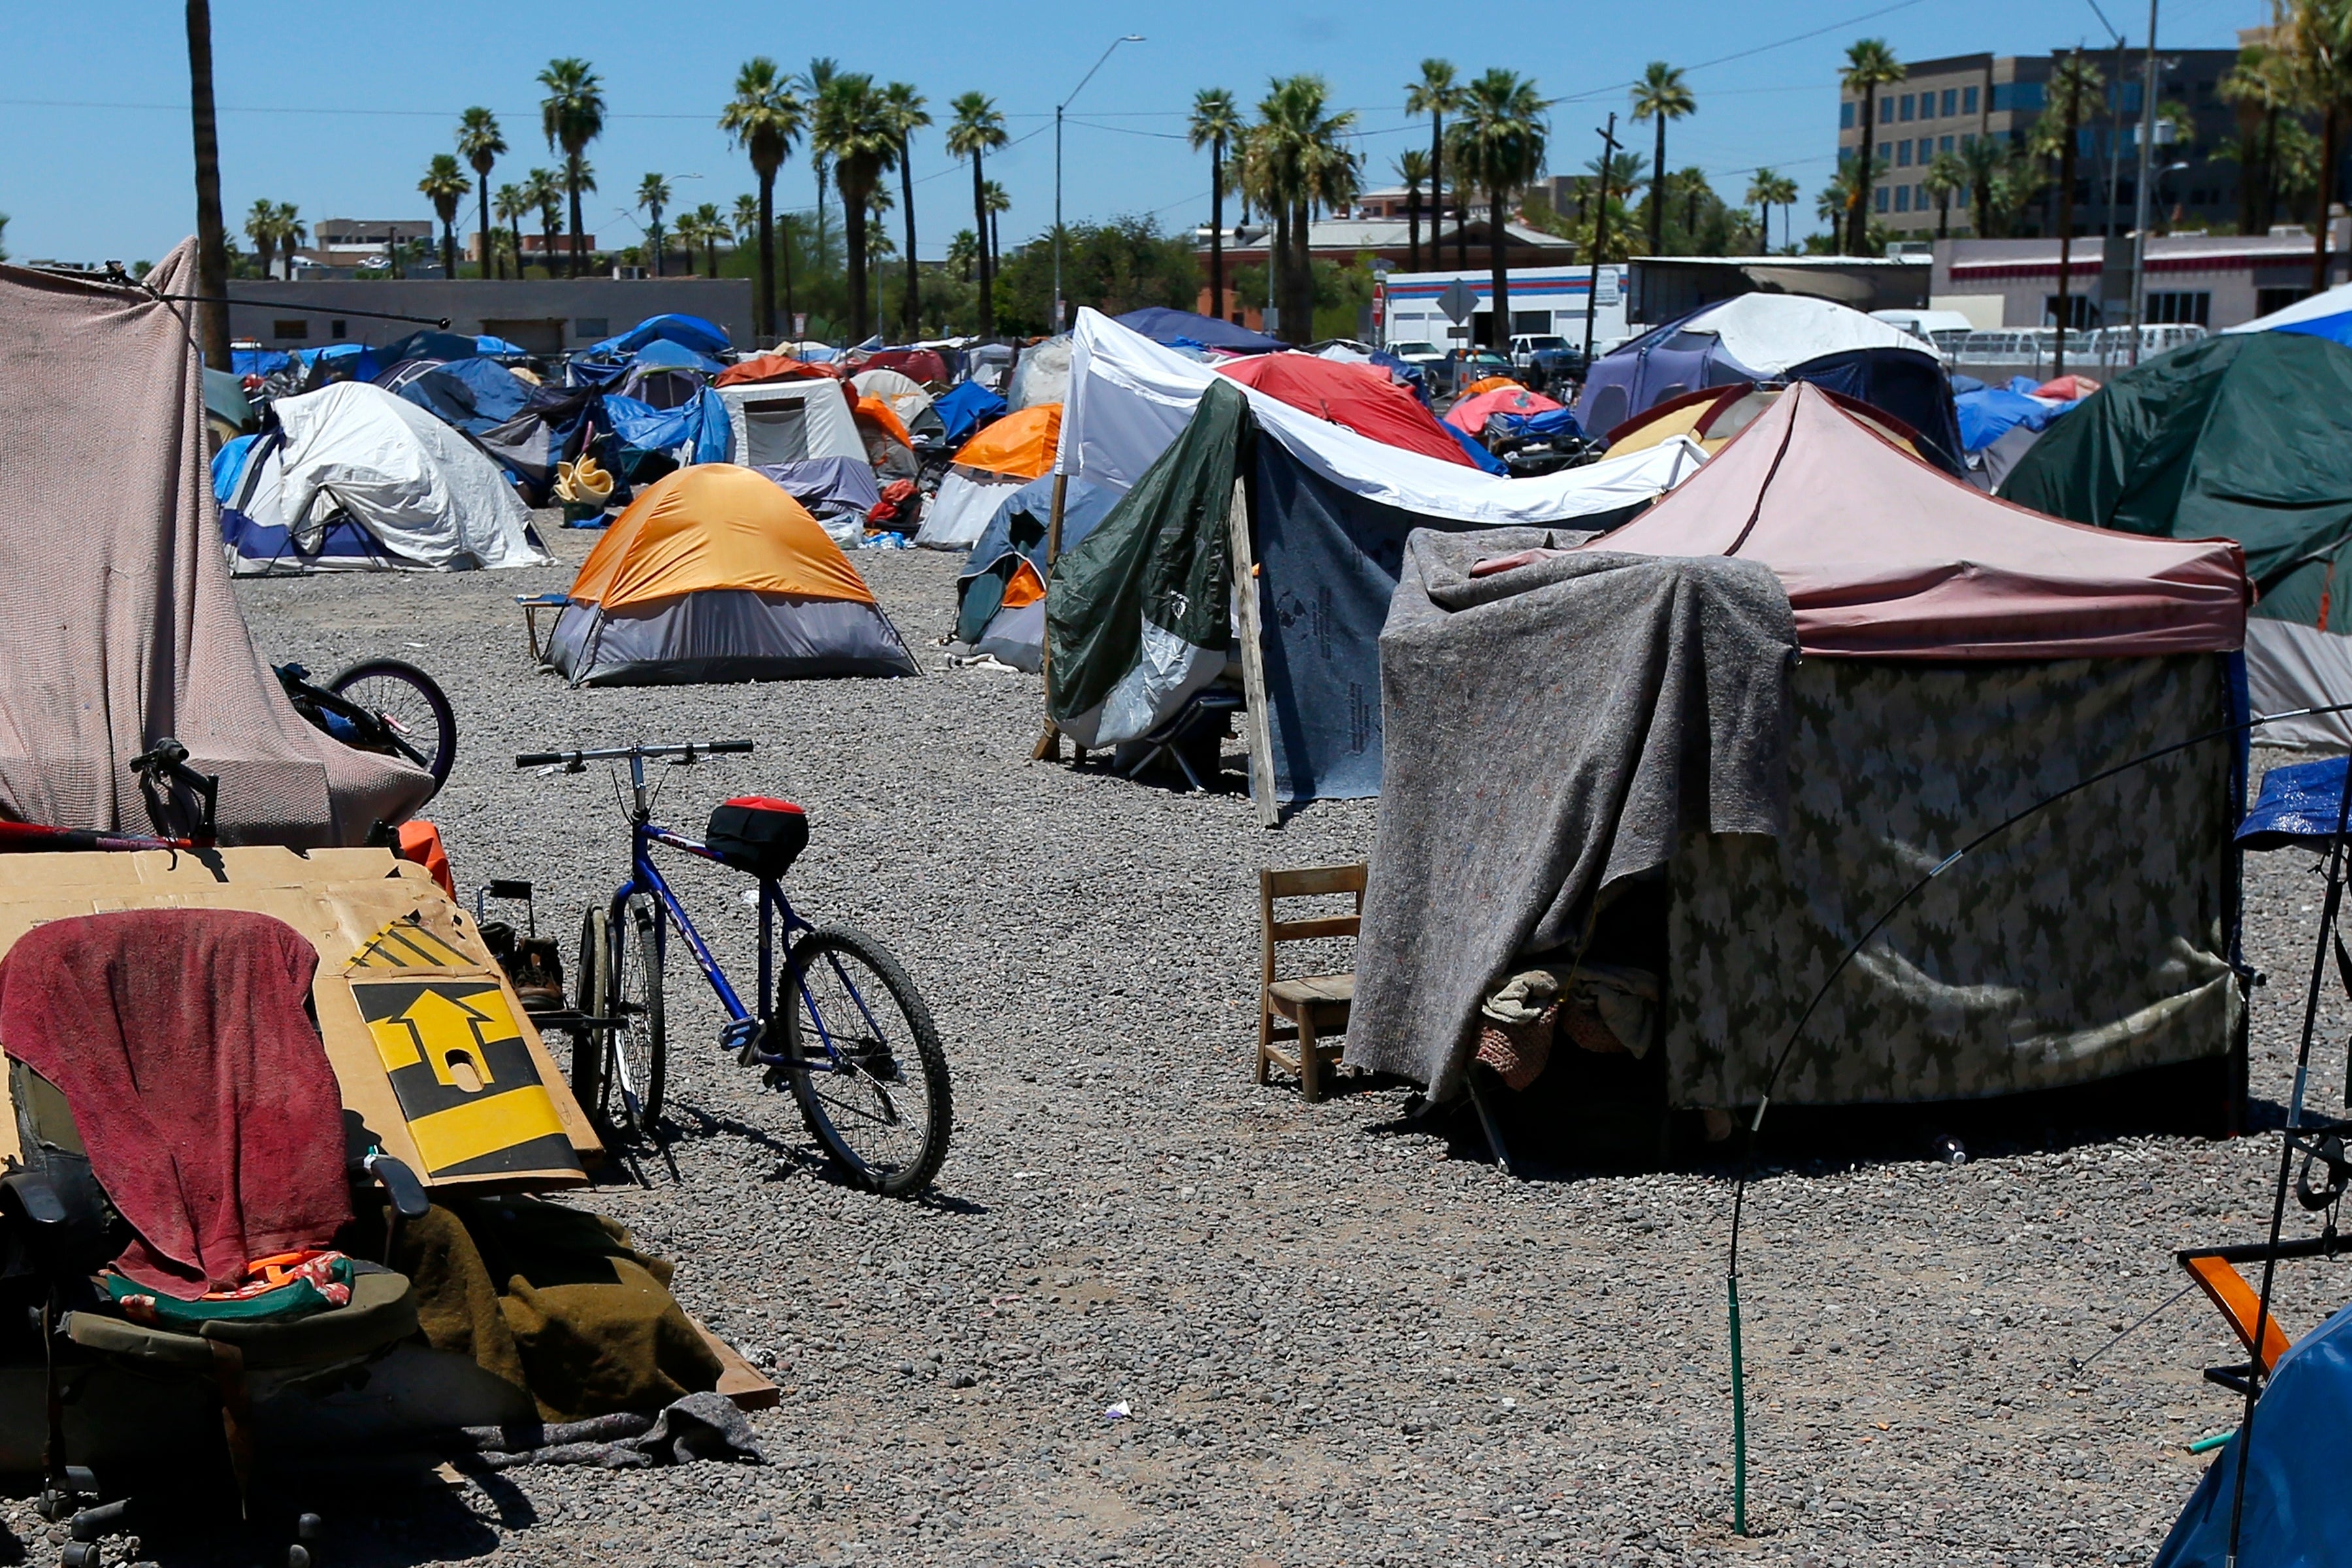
pixel 1469 415
pixel 1883 557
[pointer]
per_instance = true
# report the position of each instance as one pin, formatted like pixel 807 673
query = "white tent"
pixel 1130 397
pixel 1771 332
pixel 902 394
pixel 791 421
pixel 361 478
pixel 967 499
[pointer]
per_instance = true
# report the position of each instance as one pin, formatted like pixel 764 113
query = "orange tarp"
pixel 1021 445
pixel 715 525
pixel 771 367
pixel 1487 384
pixel 1026 588
pixel 882 414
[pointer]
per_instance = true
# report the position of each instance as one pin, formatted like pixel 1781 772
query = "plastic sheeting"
pixel 697 431
pixel 2299 805
pixel 964 408
pixel 1042 375
pixel 687 331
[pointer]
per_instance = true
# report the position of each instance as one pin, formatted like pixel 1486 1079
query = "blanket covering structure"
pixel 1551 731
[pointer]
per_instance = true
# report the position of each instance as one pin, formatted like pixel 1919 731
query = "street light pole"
pixel 2140 215
pixel 1126 38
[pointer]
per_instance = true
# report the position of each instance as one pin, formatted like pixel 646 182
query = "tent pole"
pixel 1255 715
pixel 1049 740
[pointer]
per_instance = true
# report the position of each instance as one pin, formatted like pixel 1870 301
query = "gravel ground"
pixel 1339 1339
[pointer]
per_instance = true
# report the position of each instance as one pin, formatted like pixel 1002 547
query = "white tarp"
pixel 791 421
pixel 428 494
pixel 1040 374
pixel 967 499
pixel 1770 332
pixel 1129 398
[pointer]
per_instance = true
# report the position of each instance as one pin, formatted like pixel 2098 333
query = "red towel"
pixel 180 1040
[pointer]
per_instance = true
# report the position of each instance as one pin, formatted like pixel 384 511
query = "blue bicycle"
pixel 838 1022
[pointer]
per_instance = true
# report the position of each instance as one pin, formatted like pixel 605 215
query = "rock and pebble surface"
pixel 1155 1315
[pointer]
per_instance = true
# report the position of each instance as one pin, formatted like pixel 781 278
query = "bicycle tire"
pixel 635 1060
pixel 588 997
pixel 825 1108
pixel 443 755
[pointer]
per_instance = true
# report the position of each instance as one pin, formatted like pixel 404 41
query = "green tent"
pixel 2245 436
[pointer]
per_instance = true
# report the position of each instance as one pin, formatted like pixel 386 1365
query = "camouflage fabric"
pixel 2087 941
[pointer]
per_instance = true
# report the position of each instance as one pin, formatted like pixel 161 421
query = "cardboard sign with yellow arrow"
pixel 467 1084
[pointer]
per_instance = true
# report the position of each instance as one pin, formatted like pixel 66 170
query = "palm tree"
pixel 1413 171
pixel 1947 177
pixel 572 115
pixel 1834 204
pixel 1984 162
pixel 1661 96
pixel 445 185
pixel 1869 65
pixel 261 227
pixel 976 131
pixel 1784 195
pixel 653 195
pixel 2315 36
pixel 908 115
pixel 853 127
pixel 808 86
pixel 511 204
pixel 2075 92
pixel 709 228
pixel 963 253
pixel 1297 155
pixel 765 119
pixel 997 203
pixel 1763 190
pixel 1215 123
pixel 291 233
pixel 545 190
pixel 212 229
pixel 1436 95
pixel 2262 85
pixel 481 145
pixel 1498 145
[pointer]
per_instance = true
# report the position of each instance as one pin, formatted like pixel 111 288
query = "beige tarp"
pixel 120 625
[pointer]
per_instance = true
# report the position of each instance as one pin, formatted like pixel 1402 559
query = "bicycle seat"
pixel 757 833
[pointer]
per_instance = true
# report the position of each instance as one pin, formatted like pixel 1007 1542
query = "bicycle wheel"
pixel 864 1060
pixel 588 1045
pixel 411 705
pixel 636 1062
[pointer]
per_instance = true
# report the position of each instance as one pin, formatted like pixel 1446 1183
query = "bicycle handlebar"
pixel 577 760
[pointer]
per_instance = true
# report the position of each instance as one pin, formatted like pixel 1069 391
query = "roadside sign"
pixel 1606 283
pixel 800 324
pixel 1458 299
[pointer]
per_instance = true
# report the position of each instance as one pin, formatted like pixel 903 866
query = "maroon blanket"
pixel 180 1039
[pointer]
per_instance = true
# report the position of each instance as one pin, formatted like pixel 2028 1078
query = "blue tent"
pixel 963 409
pixel 691 332
pixel 229 466
pixel 427 344
pixel 1182 328
pixel 663 353
pixel 702 422
pixel 471 393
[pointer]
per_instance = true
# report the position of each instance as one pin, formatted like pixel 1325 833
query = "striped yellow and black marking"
pixel 405 943
pixel 465 1081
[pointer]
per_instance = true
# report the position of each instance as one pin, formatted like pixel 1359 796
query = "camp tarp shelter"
pixel 1000 592
pixel 2242 437
pixel 774 367
pixel 471 395
pixel 839 492
pixel 1965 659
pixel 987 469
pixel 686 332
pixel 1987 415
pixel 791 421
pixel 1778 337
pixel 1042 375
pixel 430 343
pixel 1180 328
pixel 424 497
pixel 964 408
pixel 1470 414
pixel 140 637
pixel 2326 314
pixel 713 574
pixel 697 431
pixel 916 364
pixel 1363 398
pixel 662 353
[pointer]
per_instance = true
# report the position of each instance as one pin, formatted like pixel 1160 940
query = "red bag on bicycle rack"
pixel 756 833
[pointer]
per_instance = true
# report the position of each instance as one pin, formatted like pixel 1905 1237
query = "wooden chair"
pixel 1309 1006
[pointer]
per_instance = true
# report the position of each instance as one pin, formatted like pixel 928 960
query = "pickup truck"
pixel 1545 359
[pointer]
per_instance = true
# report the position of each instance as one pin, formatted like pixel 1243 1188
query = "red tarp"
pixel 1360 396
pixel 775 367
pixel 920 364
pixel 1885 557
pixel 1470 414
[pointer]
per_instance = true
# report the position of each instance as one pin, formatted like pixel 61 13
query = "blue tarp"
pixel 1412 376
pixel 429 344
pixel 471 393
pixel 663 354
pixel 692 331
pixel 2298 1512
pixel 1162 325
pixel 1476 449
pixel 1544 427
pixel 257 362
pixel 1987 415
pixel 2299 805
pixel 487 344
pixel 702 422
pixel 228 466
pixel 962 409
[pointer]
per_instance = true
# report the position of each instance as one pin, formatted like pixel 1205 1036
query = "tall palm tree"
pixel 212 229
pixel 852 126
pixel 997 203
pixel 261 227
pixel 976 131
pixel 545 189
pixel 1870 65
pixel 808 86
pixel 572 115
pixel 964 254
pixel 908 115
pixel 765 118
pixel 511 204
pixel 1436 94
pixel 1763 190
pixel 1298 156
pixel 1984 161
pixel 2316 38
pixel 1215 123
pixel 653 195
pixel 2076 92
pixel 444 184
pixel 1498 144
pixel 1784 194
pixel 1947 177
pixel 481 143
pixel 712 229
pixel 1412 171
pixel 1659 95
pixel 2262 85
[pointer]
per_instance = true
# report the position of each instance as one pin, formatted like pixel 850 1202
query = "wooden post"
pixel 1049 740
pixel 1261 729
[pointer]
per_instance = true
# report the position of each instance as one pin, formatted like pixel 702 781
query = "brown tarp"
pixel 120 627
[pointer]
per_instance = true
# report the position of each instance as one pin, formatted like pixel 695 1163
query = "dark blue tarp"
pixel 229 466
pixel 2299 805
pixel 963 409
pixel 1412 374
pixel 428 345
pixel 702 422
pixel 257 362
pixel 692 331
pixel 1542 426
pixel 1911 386
pixel 595 372
pixel 2298 1512
pixel 1162 325
pixel 471 393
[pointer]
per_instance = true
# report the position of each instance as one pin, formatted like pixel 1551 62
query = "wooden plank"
pixel 1049 740
pixel 1245 597
pixel 1306 881
pixel 1317 926
pixel 738 1380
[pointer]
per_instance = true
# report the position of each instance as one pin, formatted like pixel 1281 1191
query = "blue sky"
pixel 337 107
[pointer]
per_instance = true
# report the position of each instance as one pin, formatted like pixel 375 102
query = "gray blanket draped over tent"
pixel 103 396
pixel 1474 864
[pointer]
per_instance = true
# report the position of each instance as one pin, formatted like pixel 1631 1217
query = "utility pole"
pixel 1599 238
pixel 2140 217
pixel 1128 38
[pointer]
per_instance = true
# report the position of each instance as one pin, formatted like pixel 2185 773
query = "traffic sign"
pixel 1458 299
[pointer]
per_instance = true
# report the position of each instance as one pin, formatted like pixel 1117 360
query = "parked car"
pixel 1460 367
pixel 1416 351
pixel 1545 359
